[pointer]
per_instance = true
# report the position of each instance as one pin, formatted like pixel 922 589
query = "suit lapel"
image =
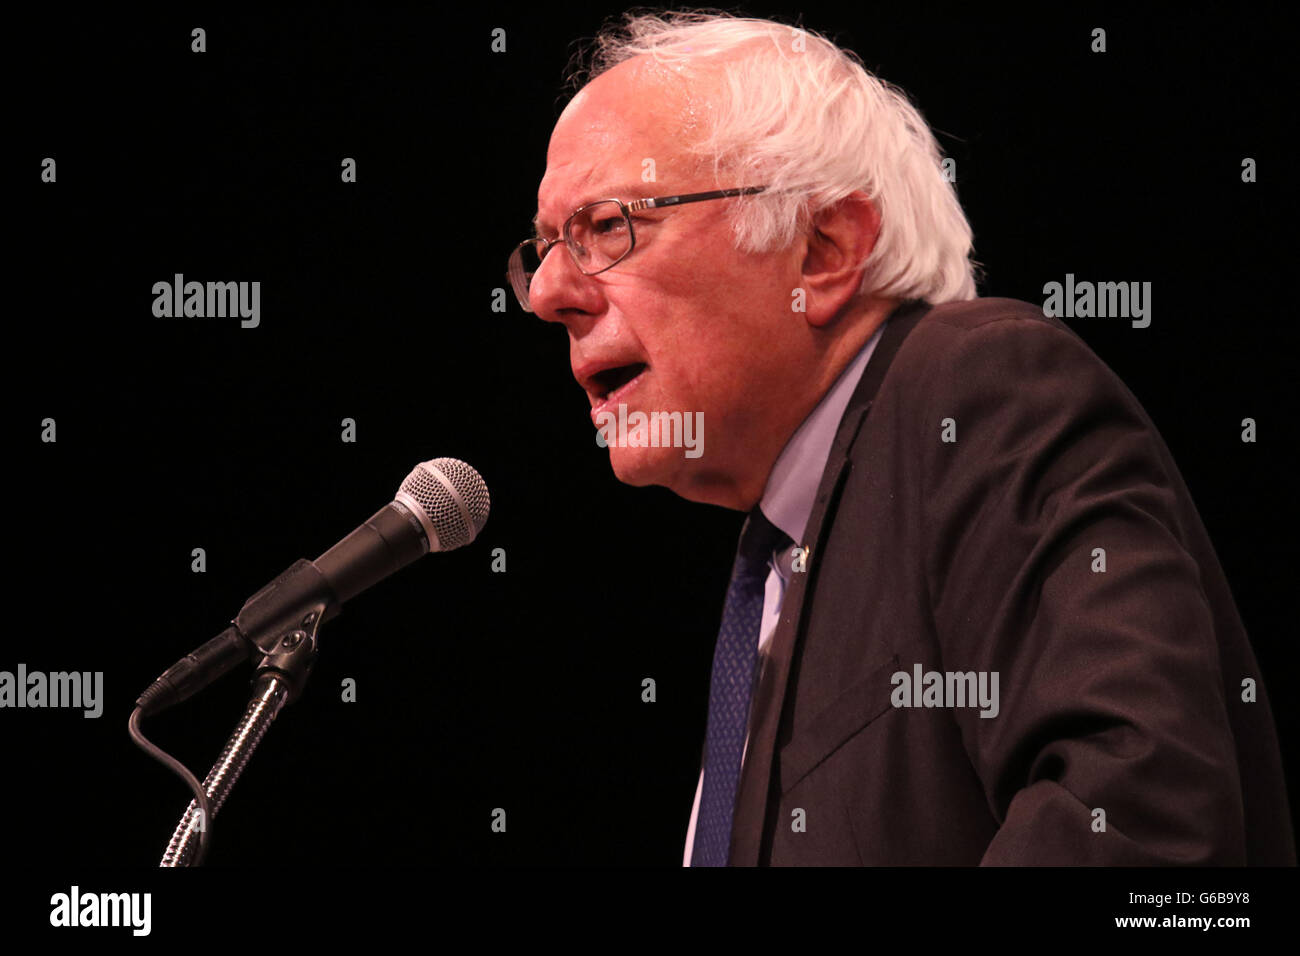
pixel 748 822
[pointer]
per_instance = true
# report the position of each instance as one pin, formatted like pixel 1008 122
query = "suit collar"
pixel 752 797
pixel 792 485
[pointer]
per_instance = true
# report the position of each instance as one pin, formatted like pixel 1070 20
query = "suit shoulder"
pixel 988 344
pixel 987 323
pixel 973 314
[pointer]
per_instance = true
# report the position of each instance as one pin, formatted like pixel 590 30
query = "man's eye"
pixel 608 224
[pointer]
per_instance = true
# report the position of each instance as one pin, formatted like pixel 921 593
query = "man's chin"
pixel 640 467
pixel 684 477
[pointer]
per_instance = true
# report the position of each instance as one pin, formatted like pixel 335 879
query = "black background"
pixel 519 690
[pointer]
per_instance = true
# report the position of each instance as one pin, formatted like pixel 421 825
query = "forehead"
pixel 635 118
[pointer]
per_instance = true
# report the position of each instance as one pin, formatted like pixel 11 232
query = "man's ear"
pixel 840 239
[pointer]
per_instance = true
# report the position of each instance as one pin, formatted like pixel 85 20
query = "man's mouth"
pixel 607 386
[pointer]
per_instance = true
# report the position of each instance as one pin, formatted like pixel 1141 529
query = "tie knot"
pixel 758 541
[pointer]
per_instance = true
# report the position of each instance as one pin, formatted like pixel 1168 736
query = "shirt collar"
pixel 792 486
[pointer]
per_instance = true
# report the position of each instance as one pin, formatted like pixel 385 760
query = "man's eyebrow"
pixel 626 192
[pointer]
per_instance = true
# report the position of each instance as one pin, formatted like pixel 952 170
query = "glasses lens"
pixel 598 236
pixel 524 263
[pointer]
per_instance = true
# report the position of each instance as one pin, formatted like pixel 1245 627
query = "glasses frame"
pixel 515 265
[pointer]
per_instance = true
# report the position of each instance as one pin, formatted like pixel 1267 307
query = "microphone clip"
pixel 284 605
pixel 282 620
pixel 293 655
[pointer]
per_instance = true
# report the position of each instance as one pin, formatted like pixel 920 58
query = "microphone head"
pixel 452 501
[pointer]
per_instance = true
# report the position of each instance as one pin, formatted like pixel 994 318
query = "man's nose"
pixel 559 291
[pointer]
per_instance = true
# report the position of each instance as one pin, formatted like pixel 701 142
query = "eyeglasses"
pixel 598 236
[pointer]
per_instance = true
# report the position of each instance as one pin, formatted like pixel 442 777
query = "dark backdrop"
pixel 518 690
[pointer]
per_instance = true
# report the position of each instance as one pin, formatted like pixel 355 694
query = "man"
pixel 974 616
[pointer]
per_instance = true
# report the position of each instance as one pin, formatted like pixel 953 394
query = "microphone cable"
pixel 178 768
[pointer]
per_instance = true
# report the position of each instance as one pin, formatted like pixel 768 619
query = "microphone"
pixel 442 505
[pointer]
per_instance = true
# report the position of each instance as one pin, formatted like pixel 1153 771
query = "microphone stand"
pixel 289 651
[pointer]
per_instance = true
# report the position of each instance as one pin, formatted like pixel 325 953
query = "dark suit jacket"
pixel 1119 690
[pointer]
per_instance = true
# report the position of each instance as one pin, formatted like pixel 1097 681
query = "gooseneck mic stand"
pixel 279 624
pixel 278 681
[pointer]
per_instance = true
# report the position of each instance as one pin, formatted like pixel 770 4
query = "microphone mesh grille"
pixel 443 508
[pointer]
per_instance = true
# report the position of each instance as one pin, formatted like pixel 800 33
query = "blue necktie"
pixel 735 667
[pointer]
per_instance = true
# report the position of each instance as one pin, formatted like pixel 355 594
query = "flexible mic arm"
pixel 278 681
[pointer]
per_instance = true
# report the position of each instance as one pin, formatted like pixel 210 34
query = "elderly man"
pixel 974 616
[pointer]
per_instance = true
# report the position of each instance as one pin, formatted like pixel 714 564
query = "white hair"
pixel 796 113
